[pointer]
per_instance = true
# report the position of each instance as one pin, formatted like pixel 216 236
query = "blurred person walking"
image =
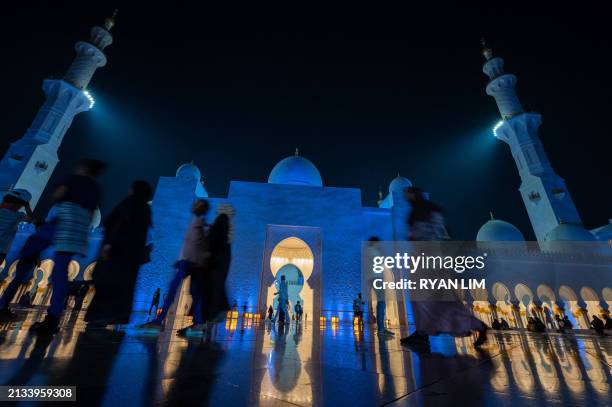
pixel 76 197
pixel 194 253
pixel 435 315
pixel 208 283
pixel 124 251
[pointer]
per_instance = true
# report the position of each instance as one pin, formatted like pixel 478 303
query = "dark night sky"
pixel 363 94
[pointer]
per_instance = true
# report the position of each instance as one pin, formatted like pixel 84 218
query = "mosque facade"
pixel 295 225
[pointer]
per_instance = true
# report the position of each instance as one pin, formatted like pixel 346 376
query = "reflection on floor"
pixel 245 363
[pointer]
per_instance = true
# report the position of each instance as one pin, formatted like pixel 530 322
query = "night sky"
pixel 362 93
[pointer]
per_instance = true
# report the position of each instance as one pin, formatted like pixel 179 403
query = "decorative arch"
pixel 606 293
pixel 292 250
pixel 525 297
pixel 566 293
pixel 523 294
pixel 501 293
pixel 503 298
pixel 296 252
pixel 570 299
pixel 73 270
pixel 88 273
pixel 41 276
pixel 546 294
pixel 591 299
pixel 9 277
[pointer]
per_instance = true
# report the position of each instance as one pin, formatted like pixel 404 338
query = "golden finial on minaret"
pixel 486 51
pixel 297 152
pixel 491 215
pixel 109 22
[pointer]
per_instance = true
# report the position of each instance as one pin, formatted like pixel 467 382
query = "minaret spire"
pixel 31 160
pixel 544 193
pixel 501 84
pixel 486 51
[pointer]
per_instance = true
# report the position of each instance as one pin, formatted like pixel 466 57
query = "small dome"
pixel 496 230
pixel 399 183
pixel 570 232
pixel 567 238
pixel 189 170
pixel 295 170
pixel 604 233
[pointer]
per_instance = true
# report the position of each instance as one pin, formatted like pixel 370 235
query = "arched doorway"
pixel 591 299
pixel 570 302
pixel 293 258
pixel 547 296
pixel 503 299
pixel 525 297
pixel 41 288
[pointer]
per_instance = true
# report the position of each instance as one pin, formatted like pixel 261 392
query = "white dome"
pixel 399 183
pixel 189 170
pixel 295 170
pixel 569 237
pixel 604 234
pixel 570 232
pixel 496 230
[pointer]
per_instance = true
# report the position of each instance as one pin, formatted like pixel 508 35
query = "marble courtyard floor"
pixel 245 364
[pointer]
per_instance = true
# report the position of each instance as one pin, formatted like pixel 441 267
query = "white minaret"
pixel 30 161
pixel 544 193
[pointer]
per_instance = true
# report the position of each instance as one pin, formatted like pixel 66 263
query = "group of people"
pixel 66 227
pixel 499 324
pixel 282 310
pixel 205 254
pixel 205 258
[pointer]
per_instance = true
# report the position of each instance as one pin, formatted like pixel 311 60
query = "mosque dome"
pixel 570 232
pixel 189 170
pixel 563 238
pixel 496 230
pixel 399 183
pixel 295 170
pixel 604 234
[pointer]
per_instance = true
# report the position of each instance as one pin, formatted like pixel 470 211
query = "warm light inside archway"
pixel 292 251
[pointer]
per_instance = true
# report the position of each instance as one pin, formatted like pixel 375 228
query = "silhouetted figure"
pixel 193 256
pixel 358 305
pixel 567 324
pixel 435 315
pixel 244 308
pixel 81 293
pixel 215 297
pixel 270 312
pixel 76 197
pixel 10 217
pixel 608 323
pixel 496 324
pixel 503 324
pixel 597 325
pixel 283 299
pixel 534 324
pixel 155 301
pixel 298 311
pixel 124 251
pixel 559 322
pixel 235 305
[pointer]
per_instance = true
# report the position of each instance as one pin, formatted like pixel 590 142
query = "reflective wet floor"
pixel 244 363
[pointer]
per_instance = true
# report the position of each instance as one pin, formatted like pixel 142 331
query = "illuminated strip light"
pixel 497 126
pixel 89 96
